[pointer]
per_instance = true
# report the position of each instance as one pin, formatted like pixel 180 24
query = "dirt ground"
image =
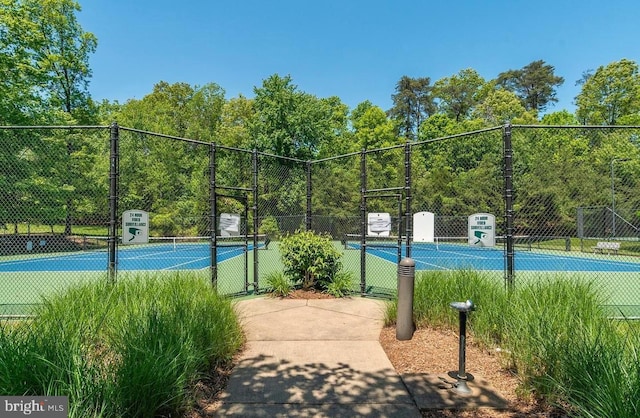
pixel 435 351
pixel 430 351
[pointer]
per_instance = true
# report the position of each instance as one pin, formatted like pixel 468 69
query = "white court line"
pixel 432 265
pixel 188 262
pixel 64 258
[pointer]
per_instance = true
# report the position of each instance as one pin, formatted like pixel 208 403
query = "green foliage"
pixel 291 123
pixel 372 129
pixel 609 94
pixel 341 285
pixel 534 84
pixel 44 62
pixel 129 349
pixel 309 258
pixel 602 372
pixel 458 94
pixel 269 226
pixel 500 107
pixel 412 103
pixel 278 284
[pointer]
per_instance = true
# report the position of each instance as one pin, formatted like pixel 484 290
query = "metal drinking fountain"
pixel 462 377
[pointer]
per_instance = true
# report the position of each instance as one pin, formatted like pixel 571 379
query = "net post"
pixel 508 201
pixel 213 216
pixel 114 173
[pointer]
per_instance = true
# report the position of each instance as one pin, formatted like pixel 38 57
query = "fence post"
pixel 508 202
pixel 256 221
pixel 407 187
pixel 213 219
pixel 309 191
pixel 113 200
pixel 363 220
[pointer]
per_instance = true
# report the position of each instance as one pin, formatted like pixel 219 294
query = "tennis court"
pixel 25 279
pixel 455 256
pixel 615 275
pixel 169 255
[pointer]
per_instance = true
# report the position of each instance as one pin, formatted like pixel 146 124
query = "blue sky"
pixel 354 49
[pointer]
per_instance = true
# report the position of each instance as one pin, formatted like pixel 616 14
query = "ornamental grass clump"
pixel 555 331
pixel 133 348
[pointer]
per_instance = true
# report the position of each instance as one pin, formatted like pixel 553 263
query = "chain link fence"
pixel 521 203
pixel 576 194
pixel 54 185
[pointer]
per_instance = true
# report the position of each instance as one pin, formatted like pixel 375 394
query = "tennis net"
pixel 180 243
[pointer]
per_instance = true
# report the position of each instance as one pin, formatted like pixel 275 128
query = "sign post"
pixel 135 227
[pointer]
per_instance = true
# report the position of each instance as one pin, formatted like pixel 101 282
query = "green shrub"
pixel 309 259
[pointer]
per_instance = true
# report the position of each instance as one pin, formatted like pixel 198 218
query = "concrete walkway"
pixel 322 358
pixel 314 358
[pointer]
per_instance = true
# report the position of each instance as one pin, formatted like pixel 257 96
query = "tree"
pixel 612 92
pixel 61 50
pixel 412 103
pixel 535 84
pixel 500 106
pixel 288 122
pixel 177 109
pixel 19 75
pixel 45 55
pixel 233 130
pixel 372 128
pixel 458 94
pixel 562 117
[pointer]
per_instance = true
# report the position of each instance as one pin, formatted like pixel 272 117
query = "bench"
pixel 607 246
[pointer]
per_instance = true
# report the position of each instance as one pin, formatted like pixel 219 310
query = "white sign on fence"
pixel 423 227
pixel 229 225
pixel 379 224
pixel 135 227
pixel 482 230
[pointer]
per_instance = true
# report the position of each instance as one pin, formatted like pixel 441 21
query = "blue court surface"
pixel 429 256
pixel 151 257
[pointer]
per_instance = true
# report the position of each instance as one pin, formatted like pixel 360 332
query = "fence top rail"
pixel 266 154
pixel 444 138
pixel 367 151
pixel 228 148
pixel 588 127
pixel 140 131
pixel 23 127
pixel 322 160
